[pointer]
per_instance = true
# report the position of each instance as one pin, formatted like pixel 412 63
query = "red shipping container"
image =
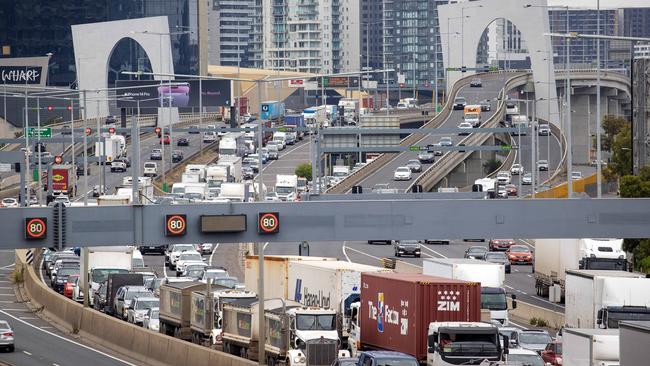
pixel 368 102
pixel 396 309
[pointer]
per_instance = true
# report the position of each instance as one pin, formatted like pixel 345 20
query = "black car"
pixel 40 147
pixel 459 103
pixel 160 249
pixel 498 257
pixel 80 170
pixel 58 282
pixel 476 83
pixel 66 130
pixel 476 252
pixel 111 120
pixel 177 156
pixel 182 141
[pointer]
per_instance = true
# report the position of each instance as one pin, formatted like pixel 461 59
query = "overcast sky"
pixel 603 3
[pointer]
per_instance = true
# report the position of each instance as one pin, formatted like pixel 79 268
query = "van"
pixel 519 121
pixel 150 169
pixel 136 260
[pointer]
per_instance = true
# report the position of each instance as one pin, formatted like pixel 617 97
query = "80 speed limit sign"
pixel 35 228
pixel 268 223
pixel 175 225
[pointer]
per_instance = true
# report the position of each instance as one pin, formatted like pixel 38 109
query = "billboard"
pixel 339 81
pixel 23 71
pixel 181 93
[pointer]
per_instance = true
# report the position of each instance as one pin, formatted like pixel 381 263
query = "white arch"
pixel 94 44
pixel 474 19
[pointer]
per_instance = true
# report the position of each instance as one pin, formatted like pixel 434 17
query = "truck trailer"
pixel 590 347
pixel 175 308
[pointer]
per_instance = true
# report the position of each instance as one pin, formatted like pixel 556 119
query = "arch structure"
pixel 94 44
pixel 470 19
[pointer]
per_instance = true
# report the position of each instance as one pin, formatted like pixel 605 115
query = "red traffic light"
pixel 157 130
pixel 69 107
pixel 58 159
pixel 111 130
pixel 49 108
pixel 88 131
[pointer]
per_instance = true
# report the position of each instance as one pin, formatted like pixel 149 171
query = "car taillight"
pixel 8 334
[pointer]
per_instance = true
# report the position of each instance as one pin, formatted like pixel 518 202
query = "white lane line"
pixel 66 339
pixel 344 252
pixel 23 310
pixel 27 353
pixel 7 302
pixel 529 276
pixel 8 266
pixel 433 251
pixel 517 325
pixel 212 254
pixel 508 287
pixel 164 269
pixel 265 245
pixel 83 195
pixel 27 318
pixel 377 258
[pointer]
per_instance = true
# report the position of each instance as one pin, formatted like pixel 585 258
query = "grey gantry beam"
pixel 332 221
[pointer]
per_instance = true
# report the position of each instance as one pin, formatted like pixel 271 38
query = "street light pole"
pixel 599 171
pixel 568 111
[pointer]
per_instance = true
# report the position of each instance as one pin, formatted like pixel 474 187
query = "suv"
pixel 500 244
pixel 376 358
pixel 543 130
pixel 124 296
pixel 459 103
pixel 150 169
pixel 118 166
pixel 534 339
pixel 156 154
pixel 139 308
pixel 411 247
pixel 174 251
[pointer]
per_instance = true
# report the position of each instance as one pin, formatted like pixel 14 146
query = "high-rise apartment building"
pixel 230 28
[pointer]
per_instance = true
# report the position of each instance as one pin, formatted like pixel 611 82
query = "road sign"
pixel 35 228
pixel 5 168
pixel 58 159
pixel 89 131
pixel 36 132
pixel 296 83
pixel 268 223
pixel 223 223
pixel 175 225
pixel 414 148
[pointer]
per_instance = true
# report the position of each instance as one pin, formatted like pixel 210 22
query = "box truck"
pixel 272 110
pixel 233 144
pixel 110 148
pixel 62 179
pixel 590 347
pixel 553 257
pixel 472 114
pixel 103 261
pixel 315 117
pixel 396 309
pixel 600 299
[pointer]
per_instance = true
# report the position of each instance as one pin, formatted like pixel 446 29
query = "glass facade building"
pixel 37 27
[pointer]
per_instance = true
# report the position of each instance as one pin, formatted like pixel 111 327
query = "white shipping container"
pixel 472 270
pixel 587 347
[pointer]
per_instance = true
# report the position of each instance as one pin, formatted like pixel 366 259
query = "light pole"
pixel 599 179
pixel 462 31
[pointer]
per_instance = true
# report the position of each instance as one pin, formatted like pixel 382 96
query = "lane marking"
pixel 67 340
pixel 8 266
pixel 377 258
pixel 343 248
pixel 433 251
pixel 212 254
pixel 510 322
pixel 529 276
pixel 27 353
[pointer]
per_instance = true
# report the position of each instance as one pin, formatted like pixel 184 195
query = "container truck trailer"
pixel 175 308
pixel 590 347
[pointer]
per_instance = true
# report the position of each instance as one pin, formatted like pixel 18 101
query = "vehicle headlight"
pixel 592 256
pixel 620 257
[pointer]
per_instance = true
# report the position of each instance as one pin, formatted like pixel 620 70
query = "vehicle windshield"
pixel 137 262
pixel 150 165
pixel 154 314
pixel 613 317
pixel 194 273
pixel 495 256
pixel 227 151
pixel 215 274
pixel 72 279
pixel 130 295
pixel 476 250
pixel 402 170
pixel 469 344
pixel 283 190
pixel 527 360
pixel 340 174
pixel 413 162
pixel 519 249
pixel 395 362
pixel 316 322
pixel 229 282
pixel 492 301
pixel 147 304
pixel 190 257
pixel 180 248
pixel 100 275
pixel 534 338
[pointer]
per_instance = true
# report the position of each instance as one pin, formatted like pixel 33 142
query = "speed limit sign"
pixel 175 225
pixel 35 228
pixel 268 223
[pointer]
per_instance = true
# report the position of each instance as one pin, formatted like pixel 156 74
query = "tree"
pixel 637 186
pixel 621 162
pixel 304 171
pixel 611 125
pixel 491 165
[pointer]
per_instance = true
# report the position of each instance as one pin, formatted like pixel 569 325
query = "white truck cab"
pixel 459 343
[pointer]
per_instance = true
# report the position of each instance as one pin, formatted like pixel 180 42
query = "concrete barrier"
pixel 525 310
pixel 142 345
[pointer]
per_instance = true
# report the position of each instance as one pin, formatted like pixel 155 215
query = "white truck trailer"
pixel 490 275
pixel 234 192
pixel 553 257
pixel 600 299
pixel 590 347
pixel 233 163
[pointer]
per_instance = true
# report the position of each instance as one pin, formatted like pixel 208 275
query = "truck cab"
pixel 603 254
pixel 610 316
pixel 460 343
pixel 286 186
pixel 495 300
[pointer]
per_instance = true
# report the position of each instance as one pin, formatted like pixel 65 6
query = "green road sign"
pixel 164 187
pixel 35 132
pixel 414 148
pixel 506 147
pixel 35 175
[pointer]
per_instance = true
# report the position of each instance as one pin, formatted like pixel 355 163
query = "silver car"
pixel 408 247
pixel 139 308
pixel 6 336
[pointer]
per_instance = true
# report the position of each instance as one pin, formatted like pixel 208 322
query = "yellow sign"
pixel 57 177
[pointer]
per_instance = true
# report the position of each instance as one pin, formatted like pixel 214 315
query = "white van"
pixel 136 260
pixel 150 169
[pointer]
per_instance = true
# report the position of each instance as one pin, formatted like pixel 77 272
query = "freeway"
pixel 288 160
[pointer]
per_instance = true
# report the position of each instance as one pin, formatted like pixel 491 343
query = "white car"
pixel 272 197
pixel 516 169
pixel 9 202
pixel 209 137
pixel 186 258
pixel 205 248
pixel 402 173
pixel 520 356
pixel 527 179
pixel 542 165
pixel 139 308
pixel 466 127
pixel 118 166
pixel 176 251
pixel 151 320
pixel 150 169
pixel 214 273
pixel 446 141
pixel 503 177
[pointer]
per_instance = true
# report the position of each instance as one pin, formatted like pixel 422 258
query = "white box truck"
pixel 199 169
pixel 600 299
pixel 232 144
pixel 234 192
pixel 286 186
pixel 233 164
pixel 490 275
pixel 590 347
pixel 112 149
pixel 103 261
pixel 328 284
pixel 553 257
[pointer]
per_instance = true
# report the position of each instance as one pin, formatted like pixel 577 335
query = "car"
pixel 595 162
pixel 436 151
pixel 6 336
pixel 272 197
pixel 193 130
pixel 503 177
pixel 575 175
pixel 194 270
pixel 70 283
pixel 40 147
pixel 99 297
pixel 182 141
pixel 80 170
pixel 118 166
pixel 247 172
pixel 534 339
pixel 387 242
pixel 502 192
pixel 511 190
pixel 476 83
pixel 500 258
pixel 124 160
pixel 552 354
pixel 520 254
pixel 177 156
pixel 466 127
pixel 139 308
pixel 512 108
pixel 214 273
pixel 414 165
pixel 461 150
pixel 516 169
pixel 523 357
pixel 486 106
pixel 407 247
pixel 253 162
pixel 527 179
pixel 459 103
pixel 426 158
pixel 111 119
pixel 386 358
pixel 210 137
pixel 9 202
pixel 402 173
pixel 446 141
pixel 185 258
pixel 151 319
pixel 174 251
pixel 65 200
pixel 205 248
pixel 543 130
pixel 58 281
pixel 476 252
pixel 265 155
pixel 150 169
pixel 124 296
pixel 153 249
pixel 542 165
pixel 345 361
pixel 156 154
pixel 66 130
pixel 166 139
pixel 273 152
pixel 437 241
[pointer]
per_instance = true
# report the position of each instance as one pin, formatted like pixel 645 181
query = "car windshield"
pixel 519 248
pixel 477 250
pixel 409 242
pixel 190 257
pixel 402 170
pixel 194 272
pixel 101 274
pixel 316 322
pixel 495 256
pixel 72 279
pixel 543 162
pixel 494 301
pixel 229 282
pixel 156 151
pixel 534 338
pixel 180 248
pixel 526 360
pixel 395 362
pixel 65 272
pixel 413 162
pixel 146 304
pixel 137 262
pixel 283 190
pixel 130 295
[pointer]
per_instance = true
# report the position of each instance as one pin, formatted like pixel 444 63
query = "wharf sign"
pixel 20 75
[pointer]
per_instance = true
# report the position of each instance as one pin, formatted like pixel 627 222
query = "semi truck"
pixel 110 148
pixel 62 180
pixel 463 343
pixel 396 309
pixel 601 299
pixel 233 144
pixel 590 347
pixel 286 187
pixel 175 307
pixel 315 117
pixel 233 164
pixel 328 284
pixel 472 114
pixel 295 335
pixel 350 110
pixel 554 257
pixel 272 110
pixel 206 321
pixel 294 121
pixel 490 275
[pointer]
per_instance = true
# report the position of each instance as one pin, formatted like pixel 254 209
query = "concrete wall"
pixel 528 311
pixel 140 344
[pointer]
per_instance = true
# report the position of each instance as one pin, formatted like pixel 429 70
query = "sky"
pixel 603 3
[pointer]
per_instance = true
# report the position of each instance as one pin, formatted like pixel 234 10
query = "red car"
pixel 69 286
pixel 500 244
pixel 166 139
pixel 520 254
pixel 553 354
pixel 511 190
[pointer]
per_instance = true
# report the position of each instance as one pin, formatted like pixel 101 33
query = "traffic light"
pixel 50 108
pixel 69 108
pixel 89 131
pixel 357 189
pixel 463 69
